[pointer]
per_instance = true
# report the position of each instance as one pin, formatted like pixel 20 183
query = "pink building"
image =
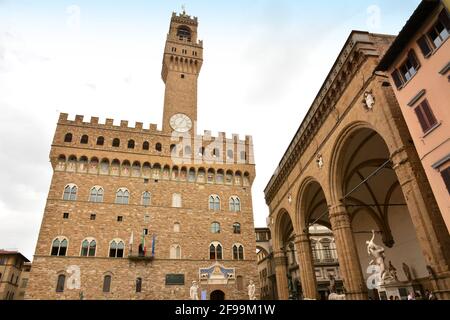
pixel 418 64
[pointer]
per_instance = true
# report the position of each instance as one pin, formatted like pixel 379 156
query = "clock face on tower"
pixel 180 122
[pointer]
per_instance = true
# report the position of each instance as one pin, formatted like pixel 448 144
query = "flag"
pixel 131 241
pixel 153 245
pixel 143 243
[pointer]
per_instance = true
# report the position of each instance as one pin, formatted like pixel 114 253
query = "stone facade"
pixel 325 263
pixel 167 178
pixel 14 267
pixel 351 165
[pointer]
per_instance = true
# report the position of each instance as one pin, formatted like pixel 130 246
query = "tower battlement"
pixel 184 18
pixel 219 147
pixel 95 123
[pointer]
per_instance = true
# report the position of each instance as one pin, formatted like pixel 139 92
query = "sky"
pixel 264 62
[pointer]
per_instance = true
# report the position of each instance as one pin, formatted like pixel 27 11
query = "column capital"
pixel 302 238
pixel 339 216
pixel 279 258
pixel 337 208
pixel 399 156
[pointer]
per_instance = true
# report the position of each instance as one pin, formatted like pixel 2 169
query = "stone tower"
pixel 182 62
pixel 128 218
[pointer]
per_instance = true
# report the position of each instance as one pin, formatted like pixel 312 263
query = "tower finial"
pixel 183 7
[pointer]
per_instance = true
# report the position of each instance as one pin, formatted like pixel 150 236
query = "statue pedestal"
pixel 395 289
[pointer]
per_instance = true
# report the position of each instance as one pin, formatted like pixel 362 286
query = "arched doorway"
pixel 285 257
pixel 373 199
pixel 319 257
pixel 217 295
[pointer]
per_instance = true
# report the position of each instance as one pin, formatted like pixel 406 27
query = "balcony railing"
pixel 140 257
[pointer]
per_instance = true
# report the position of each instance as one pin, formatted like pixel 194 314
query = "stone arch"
pixel 366 186
pixel 335 180
pixel 282 221
pixel 311 205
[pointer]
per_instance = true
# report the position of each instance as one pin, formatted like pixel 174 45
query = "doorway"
pixel 217 295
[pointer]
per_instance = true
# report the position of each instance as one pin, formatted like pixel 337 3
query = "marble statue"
pixel 332 284
pixel 392 271
pixel 194 291
pixel 369 100
pixel 251 291
pixel 335 296
pixel 320 162
pixel 407 272
pixel 377 252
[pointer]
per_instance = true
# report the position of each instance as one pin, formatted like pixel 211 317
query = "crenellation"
pixel 94 121
pixel 154 128
pixel 123 124
pixel 79 119
pixel 109 122
pixel 63 117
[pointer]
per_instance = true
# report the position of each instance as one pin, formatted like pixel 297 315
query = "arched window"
pixel 201 151
pixel 84 139
pixel 122 196
pixel 191 175
pixel 116 248
pixel 184 32
pixel 243 155
pixel 214 202
pixel 176 200
pixel 96 194
pixel 68 137
pixel 146 197
pixel 176 227
pixel 138 285
pixel 229 177
pixel 326 249
pixel 175 251
pixel 60 283
pixel 158 147
pixel 107 284
pixel 100 141
pixel 235 204
pixel 215 251
pixel 116 142
pixel 173 149
pixel 210 176
pixel 131 144
pixel 59 247
pixel 219 176
pixel 146 145
pixel 70 192
pixel 237 228
pixel 187 151
pixel 88 247
pixel 230 154
pixel 104 166
pixel 215 227
pixel 238 252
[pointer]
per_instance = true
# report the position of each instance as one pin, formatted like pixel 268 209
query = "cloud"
pixel 73 21
pixel 374 17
